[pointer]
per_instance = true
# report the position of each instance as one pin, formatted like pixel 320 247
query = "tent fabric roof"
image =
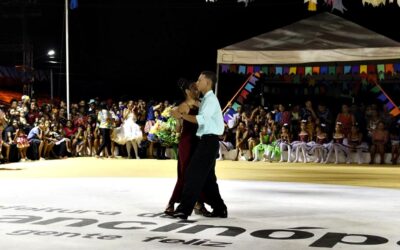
pixel 321 38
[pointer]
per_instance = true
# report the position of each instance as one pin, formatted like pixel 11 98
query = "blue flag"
pixel 73 4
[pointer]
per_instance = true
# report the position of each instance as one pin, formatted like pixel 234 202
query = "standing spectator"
pixel 105 119
pixel 283 116
pixel 346 119
pixel 307 111
pixel 325 117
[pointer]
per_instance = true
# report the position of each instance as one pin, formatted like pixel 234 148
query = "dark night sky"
pixel 140 48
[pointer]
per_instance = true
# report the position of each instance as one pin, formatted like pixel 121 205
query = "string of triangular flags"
pixel 381 70
pixel 334 4
pixel 338 4
pixel 383 97
pixel 19 74
pixel 241 95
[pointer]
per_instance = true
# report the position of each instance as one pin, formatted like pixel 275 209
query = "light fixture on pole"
pixel 51 54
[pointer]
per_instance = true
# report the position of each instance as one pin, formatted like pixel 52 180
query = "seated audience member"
pixel 336 145
pixel 285 140
pixel 301 144
pixel 395 141
pixel 35 138
pixel 21 139
pixel 319 148
pixel 380 137
pixel 264 140
pixel 225 145
pixel 355 144
pixel 241 140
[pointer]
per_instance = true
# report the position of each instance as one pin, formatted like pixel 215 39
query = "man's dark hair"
pixel 210 75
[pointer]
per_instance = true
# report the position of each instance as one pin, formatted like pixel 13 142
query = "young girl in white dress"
pixel 132 132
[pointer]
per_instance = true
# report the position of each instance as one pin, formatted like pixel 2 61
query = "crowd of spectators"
pixel 308 132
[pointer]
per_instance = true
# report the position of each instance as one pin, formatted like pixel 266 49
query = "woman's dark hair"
pixel 184 84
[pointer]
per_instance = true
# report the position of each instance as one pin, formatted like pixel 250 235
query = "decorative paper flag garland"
pixel 312 70
pixel 241 95
pixel 374 3
pixel 336 4
pixel 312 5
pixel 382 96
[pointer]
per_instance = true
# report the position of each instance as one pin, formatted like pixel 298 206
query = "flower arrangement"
pixel 165 131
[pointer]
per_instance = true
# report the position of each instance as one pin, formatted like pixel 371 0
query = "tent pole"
pixel 216 84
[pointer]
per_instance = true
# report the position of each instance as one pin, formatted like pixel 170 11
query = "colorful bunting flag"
pixel 242 69
pixel 300 71
pixel 374 3
pixel 249 87
pixel 250 69
pixel 312 5
pixel 363 69
pixel 339 70
pixel 225 68
pixel 371 69
pixel 355 69
pixel 375 89
pixel 264 69
pixel 315 70
pixel 382 97
pixel 395 112
pixel 253 80
pixel 308 71
pixel 279 71
pixel 235 106
pixel 338 5
pixel 389 68
pixel 73 4
pixel 292 71
pixel 324 70
pixel 286 70
pixel 347 69
pixel 381 68
pixel 389 105
pixel 257 68
pixel 397 66
pixel 332 70
pixel 244 93
pixel 233 68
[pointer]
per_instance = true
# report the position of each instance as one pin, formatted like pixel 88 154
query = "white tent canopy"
pixel 321 38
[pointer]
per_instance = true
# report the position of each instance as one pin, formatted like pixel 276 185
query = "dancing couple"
pixel 197 151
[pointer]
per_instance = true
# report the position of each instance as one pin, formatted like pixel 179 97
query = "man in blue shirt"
pixel 200 174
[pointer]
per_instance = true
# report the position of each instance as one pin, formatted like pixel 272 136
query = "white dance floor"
pixel 125 213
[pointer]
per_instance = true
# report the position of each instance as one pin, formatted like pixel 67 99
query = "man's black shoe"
pixel 218 213
pixel 180 215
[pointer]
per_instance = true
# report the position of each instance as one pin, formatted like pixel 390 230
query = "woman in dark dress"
pixel 187 144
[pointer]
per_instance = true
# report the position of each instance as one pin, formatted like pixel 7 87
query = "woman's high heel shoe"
pixel 200 209
pixel 170 209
